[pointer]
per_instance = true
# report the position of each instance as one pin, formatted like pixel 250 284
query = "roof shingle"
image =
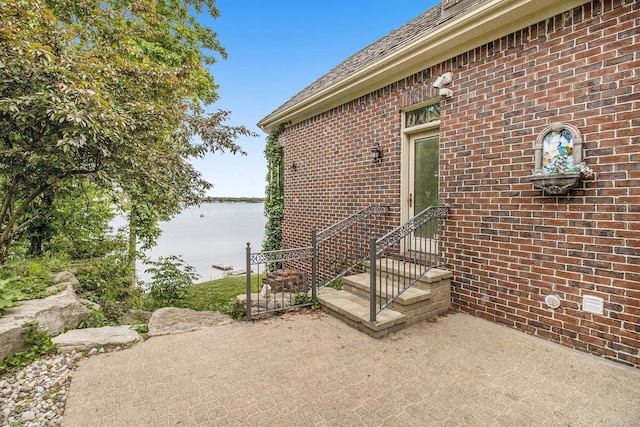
pixel 387 44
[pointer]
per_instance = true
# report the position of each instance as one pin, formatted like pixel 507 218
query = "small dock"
pixel 221 266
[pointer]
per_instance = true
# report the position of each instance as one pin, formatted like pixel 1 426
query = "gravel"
pixel 36 395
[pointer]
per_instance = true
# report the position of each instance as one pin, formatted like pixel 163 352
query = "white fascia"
pixel 475 27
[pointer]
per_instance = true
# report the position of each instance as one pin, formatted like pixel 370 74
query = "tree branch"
pixel 26 223
pixel 9 227
pixel 7 199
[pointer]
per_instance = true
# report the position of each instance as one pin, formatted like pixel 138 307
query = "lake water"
pixel 214 233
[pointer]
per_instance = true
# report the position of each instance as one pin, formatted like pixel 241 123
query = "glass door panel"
pixel 426 173
pixel 423 183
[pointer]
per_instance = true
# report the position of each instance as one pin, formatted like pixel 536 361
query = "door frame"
pixel 408 135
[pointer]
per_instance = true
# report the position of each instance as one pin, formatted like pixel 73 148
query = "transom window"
pixel 422 115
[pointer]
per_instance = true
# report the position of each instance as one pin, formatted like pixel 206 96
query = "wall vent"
pixel 591 304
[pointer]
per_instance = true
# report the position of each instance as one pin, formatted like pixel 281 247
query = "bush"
pixel 170 279
pixel 108 282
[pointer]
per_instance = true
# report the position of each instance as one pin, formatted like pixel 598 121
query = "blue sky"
pixel 275 49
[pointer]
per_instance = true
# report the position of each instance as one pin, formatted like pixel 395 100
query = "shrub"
pixel 170 279
pixel 27 279
pixel 108 281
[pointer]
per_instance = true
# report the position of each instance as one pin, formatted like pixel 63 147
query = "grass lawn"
pixel 215 294
pixel 218 295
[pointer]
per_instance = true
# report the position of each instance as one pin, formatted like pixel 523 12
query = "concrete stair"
pixel 426 299
pixel 354 311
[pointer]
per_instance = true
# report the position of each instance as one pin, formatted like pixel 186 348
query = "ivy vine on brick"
pixel 274 197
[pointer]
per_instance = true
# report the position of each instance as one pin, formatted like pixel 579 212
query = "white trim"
pixel 475 27
pixel 409 135
pixel 421 128
pixel 404 176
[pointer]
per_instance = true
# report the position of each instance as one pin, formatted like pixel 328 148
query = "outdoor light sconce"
pixel 558 160
pixel 294 166
pixel 376 153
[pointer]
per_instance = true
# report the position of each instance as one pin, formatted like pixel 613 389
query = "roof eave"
pixel 475 27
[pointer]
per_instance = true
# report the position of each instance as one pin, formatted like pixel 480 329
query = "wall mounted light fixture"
pixel 376 153
pixel 294 166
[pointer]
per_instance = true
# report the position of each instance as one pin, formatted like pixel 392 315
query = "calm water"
pixel 214 233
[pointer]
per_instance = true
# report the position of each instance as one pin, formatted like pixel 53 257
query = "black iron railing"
pixel 404 255
pixel 280 280
pixel 343 248
pixel 283 279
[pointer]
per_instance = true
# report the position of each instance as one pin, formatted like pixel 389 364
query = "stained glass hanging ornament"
pixel 557 152
pixel 558 149
pixel 558 160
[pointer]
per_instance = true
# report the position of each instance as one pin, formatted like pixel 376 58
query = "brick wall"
pixel 507 245
pixel 334 175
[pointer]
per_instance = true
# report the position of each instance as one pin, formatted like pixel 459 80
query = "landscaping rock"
pixel 66 277
pixel 54 314
pixel 86 339
pixel 172 320
pixel 90 304
pixel 266 301
pixel 36 395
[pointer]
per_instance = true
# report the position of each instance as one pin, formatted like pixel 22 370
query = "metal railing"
pixel 279 280
pixel 404 255
pixel 283 279
pixel 343 248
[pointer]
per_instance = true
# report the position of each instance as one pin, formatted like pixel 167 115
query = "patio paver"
pixel 313 370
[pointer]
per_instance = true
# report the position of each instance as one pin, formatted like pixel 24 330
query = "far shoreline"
pixel 211 199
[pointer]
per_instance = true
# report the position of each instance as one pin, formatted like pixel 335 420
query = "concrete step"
pixel 361 283
pixel 354 311
pixel 400 268
pixel 425 299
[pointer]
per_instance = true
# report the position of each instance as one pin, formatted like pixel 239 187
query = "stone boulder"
pixel 54 314
pixel 266 301
pixel 172 320
pixel 135 316
pixel 86 339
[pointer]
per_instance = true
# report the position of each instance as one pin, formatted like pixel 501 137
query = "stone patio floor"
pixel 312 370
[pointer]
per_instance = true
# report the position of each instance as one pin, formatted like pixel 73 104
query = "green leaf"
pixel 113 93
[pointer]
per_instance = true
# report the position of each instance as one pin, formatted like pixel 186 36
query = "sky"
pixel 275 49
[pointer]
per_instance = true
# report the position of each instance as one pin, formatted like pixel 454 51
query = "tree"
pixel 77 223
pixel 112 92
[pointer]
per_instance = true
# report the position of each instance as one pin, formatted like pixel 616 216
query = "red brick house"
pixel 557 260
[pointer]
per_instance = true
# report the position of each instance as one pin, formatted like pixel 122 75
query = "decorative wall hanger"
pixel 558 160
